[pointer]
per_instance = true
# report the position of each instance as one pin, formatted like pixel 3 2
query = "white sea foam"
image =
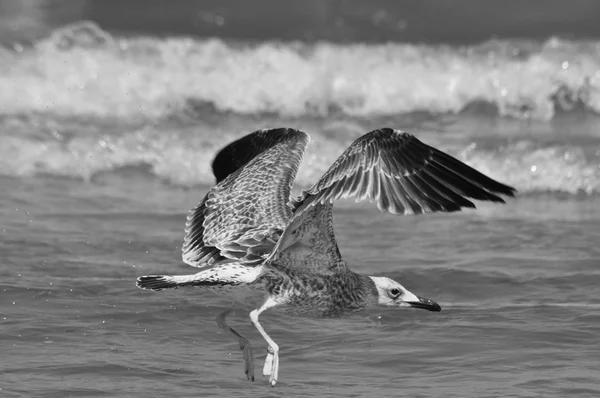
pixel 81 70
pixel 82 102
pixel 183 155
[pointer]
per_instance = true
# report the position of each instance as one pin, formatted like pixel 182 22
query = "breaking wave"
pixel 81 70
pixel 184 155
pixel 83 102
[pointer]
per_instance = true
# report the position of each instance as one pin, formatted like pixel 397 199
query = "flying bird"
pixel 251 238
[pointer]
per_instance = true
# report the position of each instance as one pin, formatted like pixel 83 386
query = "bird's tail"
pixel 160 282
pixel 231 274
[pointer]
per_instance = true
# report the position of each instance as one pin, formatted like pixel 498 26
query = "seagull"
pixel 253 240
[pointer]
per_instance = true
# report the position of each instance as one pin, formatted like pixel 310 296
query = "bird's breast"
pixel 313 295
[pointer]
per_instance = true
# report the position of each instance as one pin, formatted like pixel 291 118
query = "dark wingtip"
pixel 500 188
pixel 512 192
pixel 505 190
pixel 472 183
pixel 238 153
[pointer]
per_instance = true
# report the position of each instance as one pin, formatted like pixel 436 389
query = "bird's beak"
pixel 425 304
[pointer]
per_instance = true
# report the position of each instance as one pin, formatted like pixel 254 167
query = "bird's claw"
pixel 271 367
pixel 274 370
pixel 268 368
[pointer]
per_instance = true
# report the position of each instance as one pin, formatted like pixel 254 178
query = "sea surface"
pixel 106 140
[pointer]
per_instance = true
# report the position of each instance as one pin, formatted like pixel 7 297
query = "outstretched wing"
pixel 394 169
pixel 243 216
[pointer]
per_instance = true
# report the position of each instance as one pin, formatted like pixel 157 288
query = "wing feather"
pixel 243 216
pixel 399 173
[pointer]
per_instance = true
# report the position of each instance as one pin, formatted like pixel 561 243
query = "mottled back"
pixel 243 216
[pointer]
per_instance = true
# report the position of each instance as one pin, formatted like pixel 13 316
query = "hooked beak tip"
pixel 425 304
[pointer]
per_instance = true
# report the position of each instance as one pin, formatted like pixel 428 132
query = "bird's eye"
pixel 395 292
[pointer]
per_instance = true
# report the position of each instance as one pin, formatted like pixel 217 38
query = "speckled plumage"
pixel 242 217
pixel 305 293
pixel 247 234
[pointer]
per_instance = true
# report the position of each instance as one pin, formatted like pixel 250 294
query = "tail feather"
pixel 160 282
pixel 230 274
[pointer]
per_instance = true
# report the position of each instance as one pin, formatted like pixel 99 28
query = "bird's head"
pixel 392 294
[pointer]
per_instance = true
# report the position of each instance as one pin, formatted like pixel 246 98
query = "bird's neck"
pixel 371 295
pixel 364 287
pixel 369 284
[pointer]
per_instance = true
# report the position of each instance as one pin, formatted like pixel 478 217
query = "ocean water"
pixel 106 140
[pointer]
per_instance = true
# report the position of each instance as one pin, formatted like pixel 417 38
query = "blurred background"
pixel 83 78
pixel 427 21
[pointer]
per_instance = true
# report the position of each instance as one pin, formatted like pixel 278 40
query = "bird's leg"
pixel 245 345
pixel 272 361
pixel 268 367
